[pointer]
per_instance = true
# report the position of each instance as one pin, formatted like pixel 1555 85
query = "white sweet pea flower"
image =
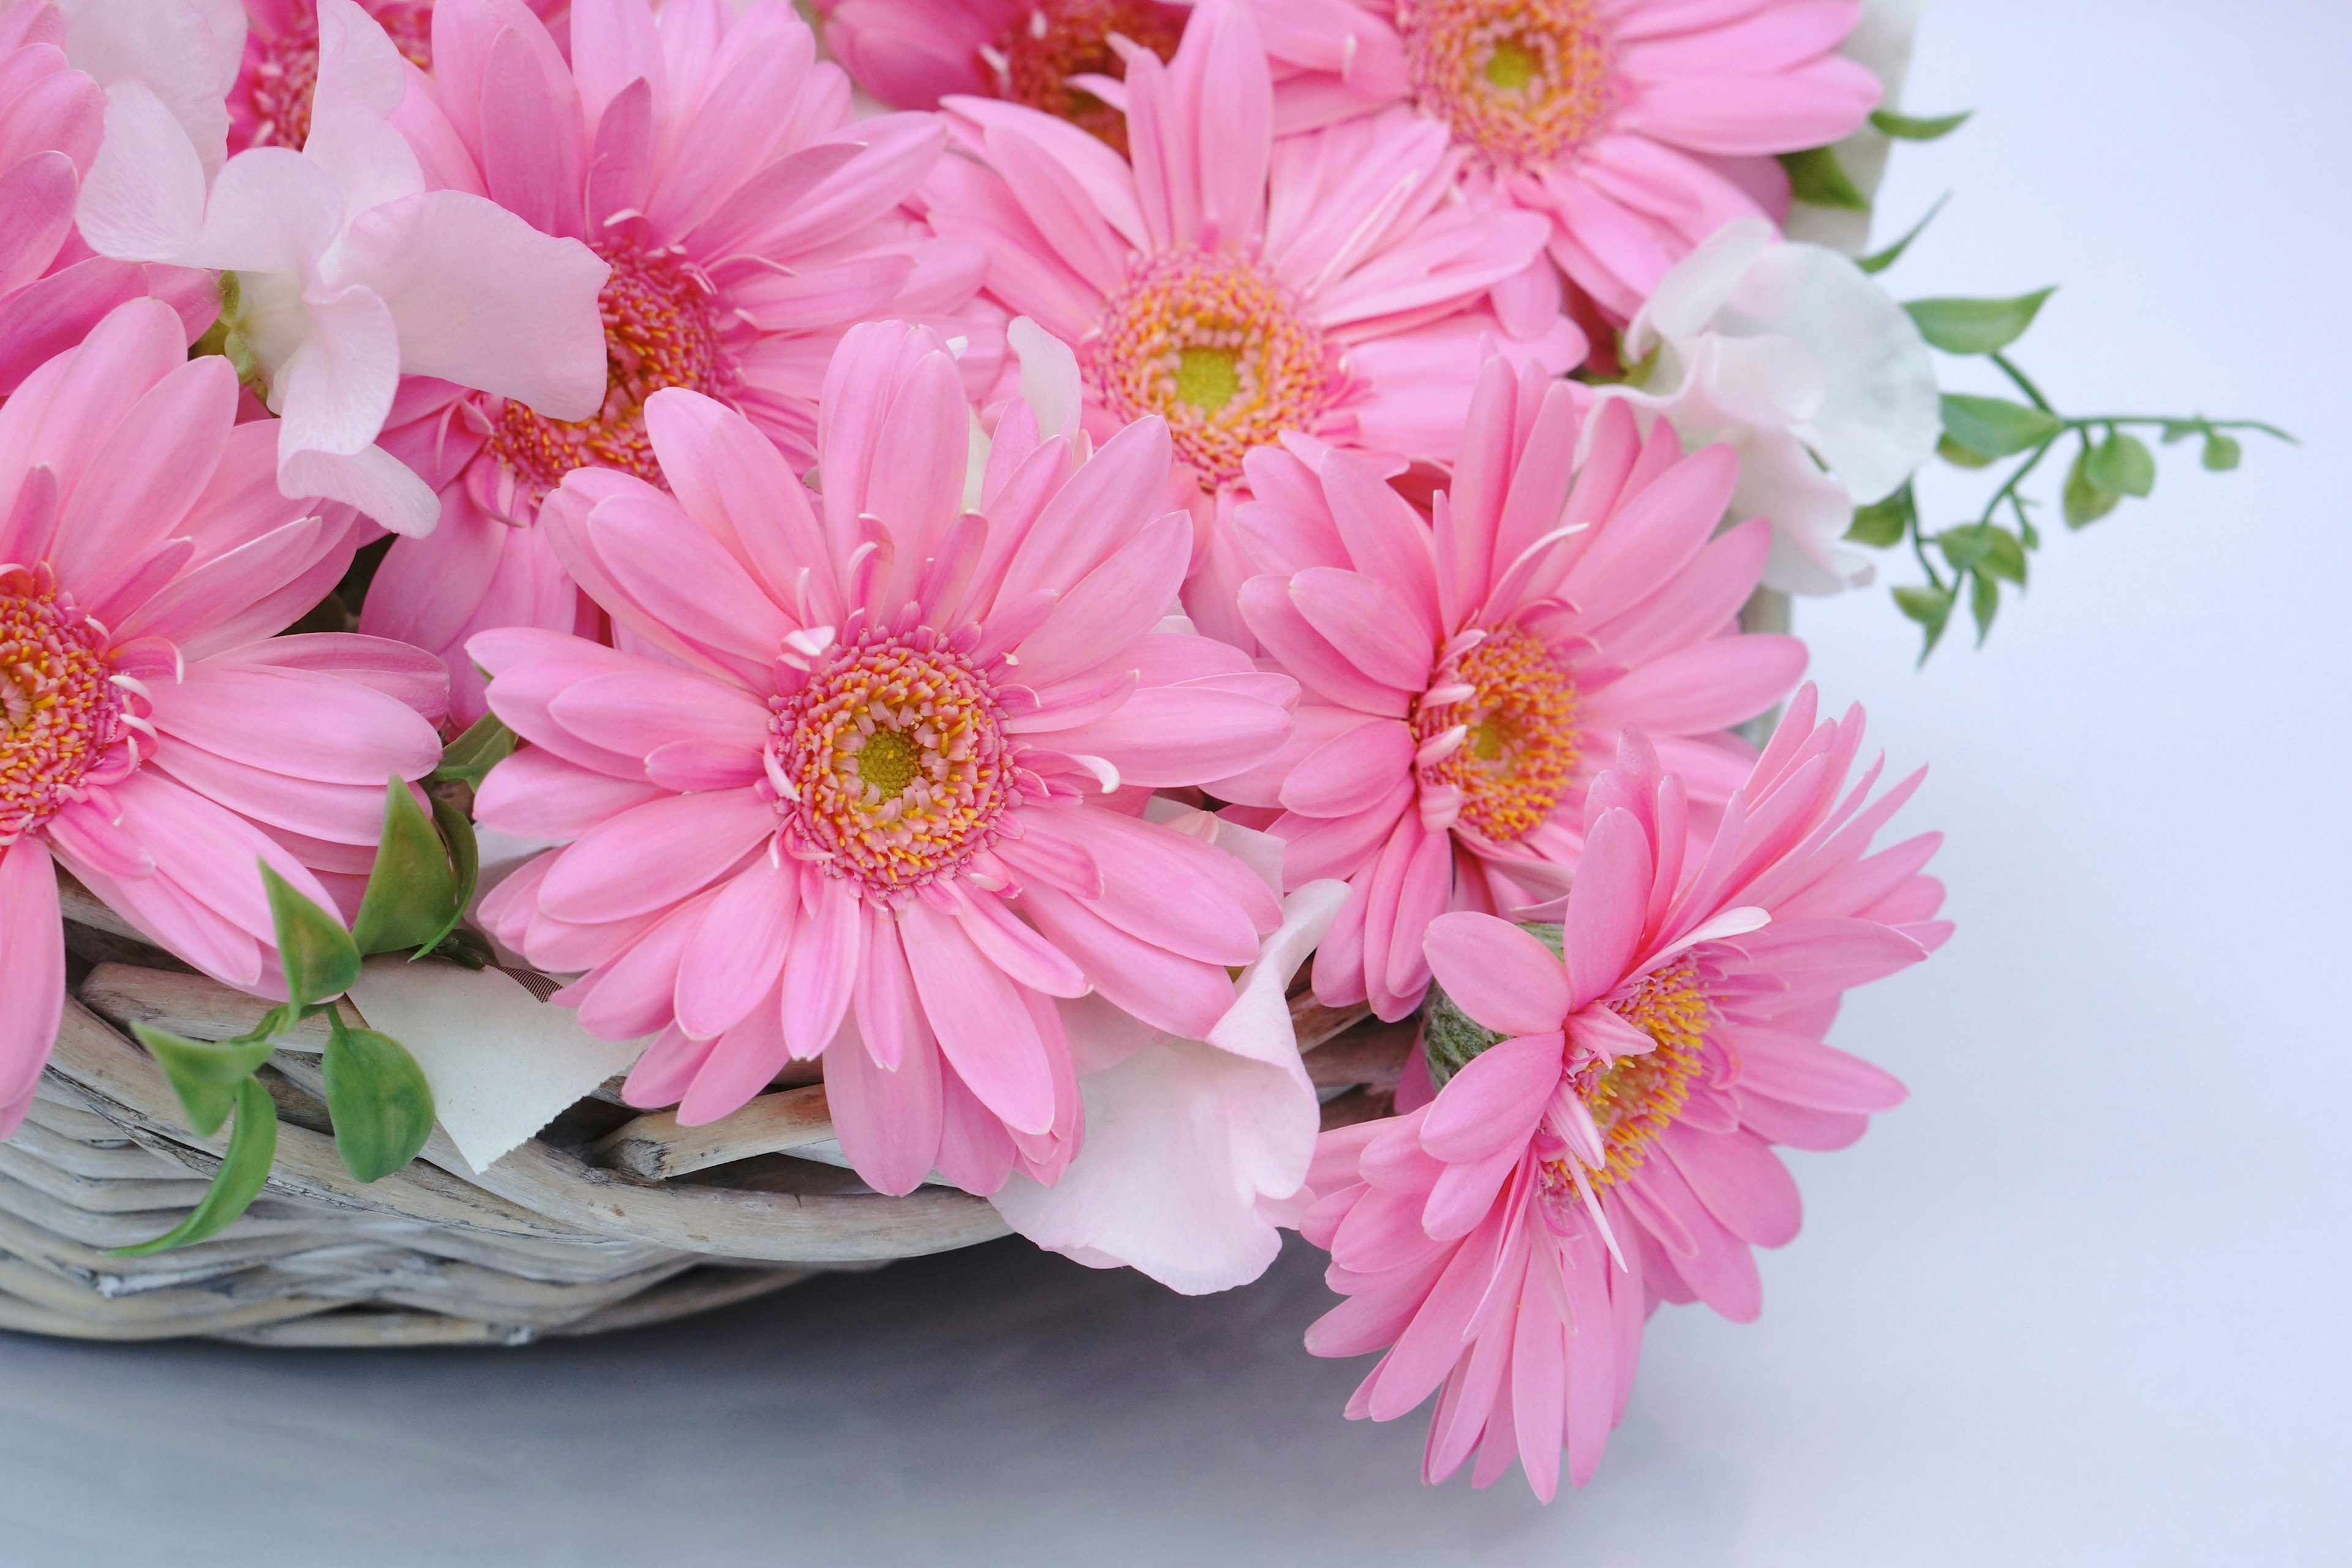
pixel 348 272
pixel 1793 356
pixel 181 54
pixel 1192 1146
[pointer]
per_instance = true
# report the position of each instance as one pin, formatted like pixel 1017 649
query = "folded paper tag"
pixel 503 1063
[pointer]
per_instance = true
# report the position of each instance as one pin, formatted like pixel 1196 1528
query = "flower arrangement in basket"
pixel 633 680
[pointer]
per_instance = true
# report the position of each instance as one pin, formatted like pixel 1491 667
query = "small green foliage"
pixel 1996 428
pixel 379 1100
pixel 1984 603
pixel 2083 502
pixel 252 1145
pixel 321 959
pixel 1931 608
pixel 2121 465
pixel 469 758
pixel 1977 326
pixel 205 1074
pixel 1910 128
pixel 412 891
pixel 1880 260
pixel 1959 457
pixel 2221 453
pixel 1886 522
pixel 1817 178
pixel 465 854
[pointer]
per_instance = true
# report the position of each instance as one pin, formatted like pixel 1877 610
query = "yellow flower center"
pixel 1525 81
pixel 1635 1099
pixel 1519 756
pixel 892 762
pixel 1032 60
pixel 662 328
pixel 59 708
pixel 1212 342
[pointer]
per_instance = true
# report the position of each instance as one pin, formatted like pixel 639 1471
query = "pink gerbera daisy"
pixel 859 782
pixel 1467 676
pixel 713 161
pixel 1604 1140
pixel 913 53
pixel 155 738
pixel 1241 288
pixel 52 289
pixel 1637 127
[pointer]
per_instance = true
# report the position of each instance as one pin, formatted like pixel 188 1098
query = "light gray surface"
pixel 2082 1301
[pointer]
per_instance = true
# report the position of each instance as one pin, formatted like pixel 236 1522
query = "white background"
pixel 2086 1300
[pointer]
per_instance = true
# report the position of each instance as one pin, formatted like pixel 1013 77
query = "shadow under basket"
pixel 608 1219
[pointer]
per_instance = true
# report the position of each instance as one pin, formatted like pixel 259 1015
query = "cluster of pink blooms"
pixel 1044 560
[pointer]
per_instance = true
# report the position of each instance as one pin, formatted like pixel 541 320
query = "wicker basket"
pixel 609 1218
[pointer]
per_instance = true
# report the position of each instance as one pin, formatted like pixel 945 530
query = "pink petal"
pixel 738 952
pixel 655 855
pixel 980 1020
pixel 1496 1101
pixel 32 967
pixel 1498 974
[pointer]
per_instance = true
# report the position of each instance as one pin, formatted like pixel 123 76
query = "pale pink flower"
pixel 1196 1149
pixel 712 160
pixel 913 53
pixel 52 288
pixel 351 268
pixel 1467 676
pixel 278 71
pixel 1326 287
pixel 851 785
pixel 1613 1148
pixel 1637 127
pixel 155 738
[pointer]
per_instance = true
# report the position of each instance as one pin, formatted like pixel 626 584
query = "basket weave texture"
pixel 608 1219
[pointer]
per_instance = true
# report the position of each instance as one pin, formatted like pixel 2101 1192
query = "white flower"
pixel 1793 356
pixel 349 272
pixel 1192 1146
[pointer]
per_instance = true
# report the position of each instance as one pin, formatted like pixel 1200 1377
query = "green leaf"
pixel 319 957
pixel 1884 522
pixel 379 1100
pixel 411 895
pixel 1931 608
pixel 1909 127
pixel 1995 427
pixel 1880 260
pixel 1966 544
pixel 1959 457
pixel 2179 430
pixel 2122 465
pixel 204 1073
pixel 2084 503
pixel 473 754
pixel 2222 452
pixel 1984 603
pixel 458 833
pixel 252 1145
pixel 1815 176
pixel 2005 557
pixel 1976 326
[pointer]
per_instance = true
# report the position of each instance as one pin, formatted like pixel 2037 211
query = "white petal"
pixel 185 52
pixel 379 484
pixel 143 199
pixel 1697 286
pixel 1049 378
pixel 362 77
pixel 1809 512
pixel 1258 1024
pixel 335 390
pixel 1880 417
pixel 272 210
pixel 484 299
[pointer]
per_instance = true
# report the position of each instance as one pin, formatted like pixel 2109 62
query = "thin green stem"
pixel 2024 384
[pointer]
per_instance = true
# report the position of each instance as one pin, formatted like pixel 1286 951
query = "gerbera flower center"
pixel 60 710
pixel 1526 82
pixel 892 762
pixel 1033 60
pixel 1213 343
pixel 285 77
pixel 1635 1099
pixel 1516 762
pixel 661 329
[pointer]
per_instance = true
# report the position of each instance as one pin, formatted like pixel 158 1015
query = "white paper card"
pixel 502 1062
